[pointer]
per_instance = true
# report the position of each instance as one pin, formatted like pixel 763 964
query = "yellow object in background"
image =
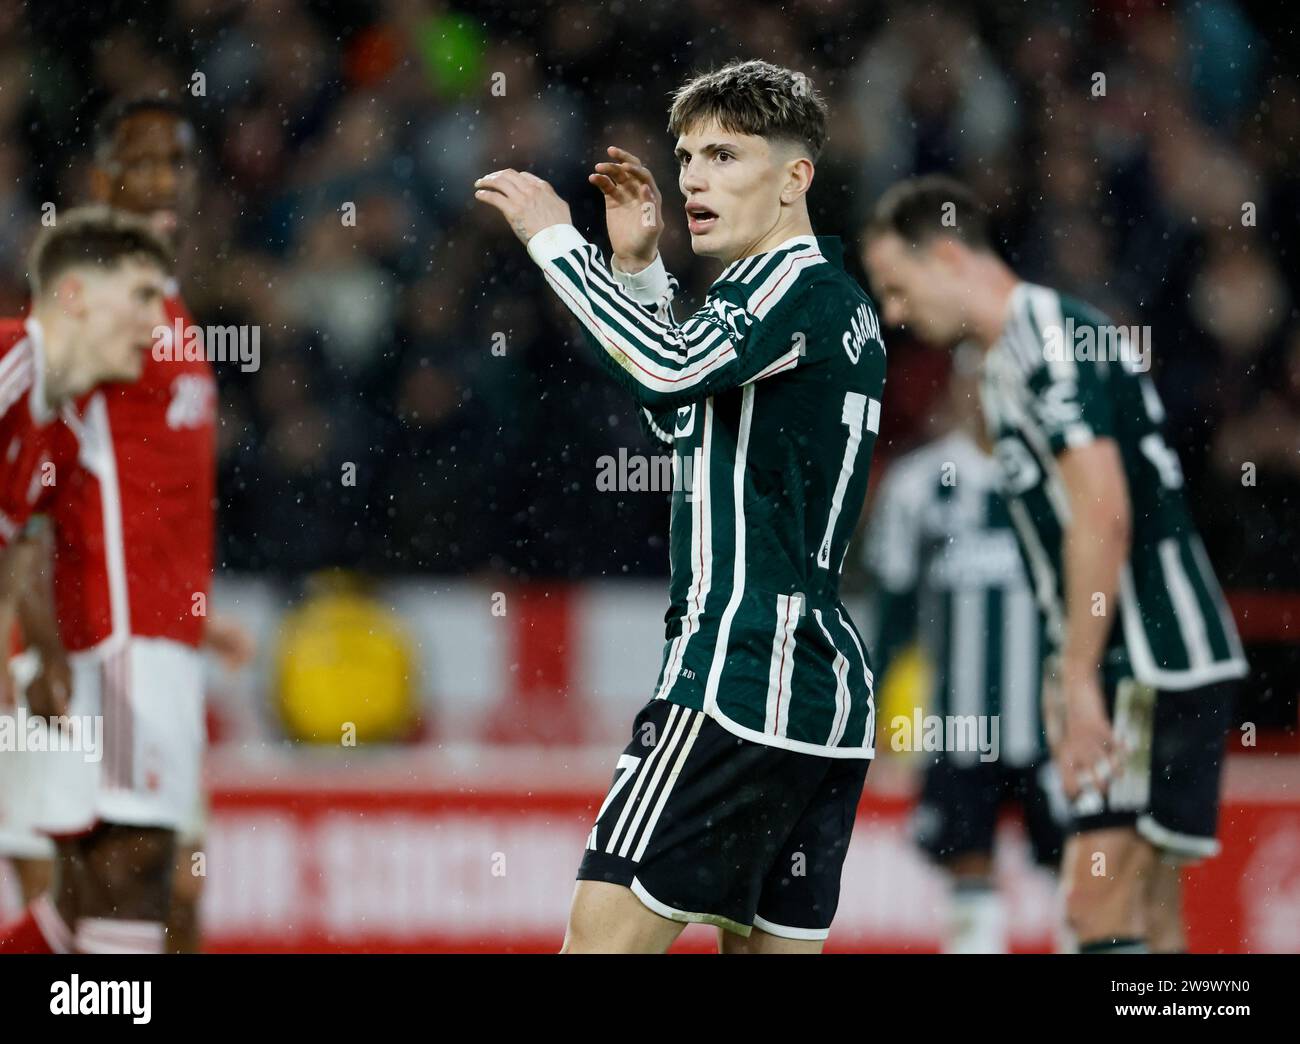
pixel 905 687
pixel 344 667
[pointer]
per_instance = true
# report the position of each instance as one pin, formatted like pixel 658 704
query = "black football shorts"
pixel 705 826
pixel 959 807
pixel 1167 785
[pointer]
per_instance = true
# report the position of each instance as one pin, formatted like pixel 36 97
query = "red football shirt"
pixel 134 523
pixel 28 465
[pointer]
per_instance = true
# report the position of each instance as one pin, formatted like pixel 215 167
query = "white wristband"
pixel 554 241
pixel 646 287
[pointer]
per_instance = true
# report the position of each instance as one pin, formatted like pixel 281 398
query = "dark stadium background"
pixel 376 340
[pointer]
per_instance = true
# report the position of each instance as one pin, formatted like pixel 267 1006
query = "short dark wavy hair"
pixel 917 211
pixel 757 98
pixel 96 236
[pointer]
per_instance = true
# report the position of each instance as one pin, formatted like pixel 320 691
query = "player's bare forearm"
pixel 49 692
pixel 15 575
pixel 16 567
pixel 36 605
pixel 1096 548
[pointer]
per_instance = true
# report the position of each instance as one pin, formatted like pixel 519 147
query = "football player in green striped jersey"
pixel 734 803
pixel 947 572
pixel 1142 650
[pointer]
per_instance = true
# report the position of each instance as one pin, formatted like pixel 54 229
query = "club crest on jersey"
pixel 1020 471
pixel 685 421
pixel 192 402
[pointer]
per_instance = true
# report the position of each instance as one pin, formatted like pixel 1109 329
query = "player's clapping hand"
pixel 633 209
pixel 528 203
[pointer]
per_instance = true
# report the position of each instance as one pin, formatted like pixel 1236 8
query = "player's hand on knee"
pixel 528 203
pixel 633 209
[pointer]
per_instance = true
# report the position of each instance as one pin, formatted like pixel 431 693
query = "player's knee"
pixel 1164 911
pixel 187 882
pixel 1104 903
pixel 1165 932
pixel 131 867
pixel 1082 915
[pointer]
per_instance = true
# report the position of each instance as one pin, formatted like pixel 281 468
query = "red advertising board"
pixel 404 856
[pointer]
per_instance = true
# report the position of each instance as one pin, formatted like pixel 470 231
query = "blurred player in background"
pixel 734 803
pixel 943 555
pixel 98 278
pixel 1138 690
pixel 134 531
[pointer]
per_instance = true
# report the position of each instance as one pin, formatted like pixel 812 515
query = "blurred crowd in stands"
pixel 1142 156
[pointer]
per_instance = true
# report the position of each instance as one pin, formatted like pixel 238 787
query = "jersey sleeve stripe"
pixel 628 357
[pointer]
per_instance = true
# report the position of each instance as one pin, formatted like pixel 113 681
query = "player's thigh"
pixel 609 918
pixel 34 876
pixel 759 941
pixel 187 881
pixel 129 871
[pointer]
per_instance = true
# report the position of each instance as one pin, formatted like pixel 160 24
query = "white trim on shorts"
pixel 1186 847
pixel 673 914
pixel 782 931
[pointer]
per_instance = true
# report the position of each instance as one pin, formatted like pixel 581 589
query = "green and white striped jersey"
pixel 769 396
pixel 1047 388
pixel 947 570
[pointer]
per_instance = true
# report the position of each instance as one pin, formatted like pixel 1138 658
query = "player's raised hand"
pixel 633 209
pixel 528 203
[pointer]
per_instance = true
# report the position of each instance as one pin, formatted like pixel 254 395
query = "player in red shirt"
pixel 98 281
pixel 98 278
pixel 134 535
